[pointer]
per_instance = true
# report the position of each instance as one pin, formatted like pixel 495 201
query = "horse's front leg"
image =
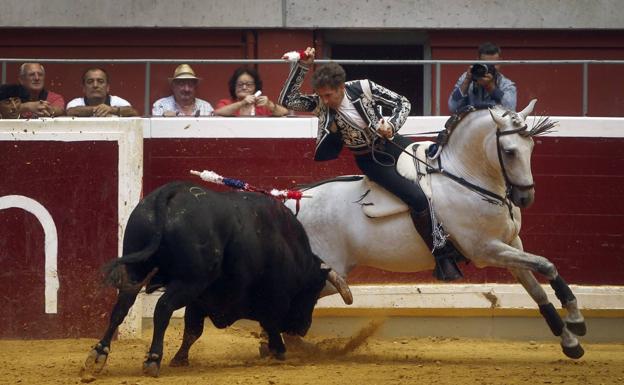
pixel 574 320
pixel 522 264
pixel 569 343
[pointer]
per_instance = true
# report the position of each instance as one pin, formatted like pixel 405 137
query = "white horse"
pixel 479 181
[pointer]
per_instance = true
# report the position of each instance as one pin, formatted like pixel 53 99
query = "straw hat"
pixel 184 71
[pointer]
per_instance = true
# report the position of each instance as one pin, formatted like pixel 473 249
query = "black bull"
pixel 226 256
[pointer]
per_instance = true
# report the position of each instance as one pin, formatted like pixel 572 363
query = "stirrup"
pixel 446 268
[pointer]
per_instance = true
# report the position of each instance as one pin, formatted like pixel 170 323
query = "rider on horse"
pixel 349 114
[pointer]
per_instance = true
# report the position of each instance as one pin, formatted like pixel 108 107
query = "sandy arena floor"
pixel 231 357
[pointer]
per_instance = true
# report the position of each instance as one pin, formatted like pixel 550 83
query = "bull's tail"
pixel 115 271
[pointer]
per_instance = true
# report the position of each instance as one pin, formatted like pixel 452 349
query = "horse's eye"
pixel 509 152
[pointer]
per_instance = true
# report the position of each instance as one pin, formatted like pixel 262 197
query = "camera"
pixel 479 70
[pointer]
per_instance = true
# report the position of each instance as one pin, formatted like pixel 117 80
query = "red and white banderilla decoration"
pixel 213 177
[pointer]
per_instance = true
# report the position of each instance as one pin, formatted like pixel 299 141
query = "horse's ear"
pixel 528 109
pixel 497 118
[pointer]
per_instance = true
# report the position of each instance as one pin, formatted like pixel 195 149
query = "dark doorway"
pixel 406 80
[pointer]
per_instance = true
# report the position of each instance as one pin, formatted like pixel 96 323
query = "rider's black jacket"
pixel 333 129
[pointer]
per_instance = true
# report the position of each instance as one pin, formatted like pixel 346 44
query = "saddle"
pixel 378 202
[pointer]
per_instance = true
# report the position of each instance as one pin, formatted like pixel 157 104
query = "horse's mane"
pixel 543 125
pixel 344 178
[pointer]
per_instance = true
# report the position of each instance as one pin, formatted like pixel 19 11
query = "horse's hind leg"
pixel 569 343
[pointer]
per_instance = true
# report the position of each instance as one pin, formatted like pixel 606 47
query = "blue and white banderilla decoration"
pixel 213 177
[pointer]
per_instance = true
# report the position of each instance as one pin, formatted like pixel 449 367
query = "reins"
pixel 495 198
pixel 490 196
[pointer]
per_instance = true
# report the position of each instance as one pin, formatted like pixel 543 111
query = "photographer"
pixel 483 85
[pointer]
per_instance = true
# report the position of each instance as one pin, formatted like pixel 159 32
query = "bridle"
pixel 509 185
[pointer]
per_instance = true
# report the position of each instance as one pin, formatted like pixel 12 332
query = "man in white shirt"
pixel 183 101
pixel 97 101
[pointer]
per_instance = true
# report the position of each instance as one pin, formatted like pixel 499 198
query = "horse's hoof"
pixel 578 328
pixel 151 368
pixel 177 362
pixel 574 352
pixel 264 350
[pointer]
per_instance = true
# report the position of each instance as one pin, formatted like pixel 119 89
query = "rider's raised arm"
pixel 291 97
pixel 399 104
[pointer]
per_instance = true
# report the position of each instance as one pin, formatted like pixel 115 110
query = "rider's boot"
pixel 446 268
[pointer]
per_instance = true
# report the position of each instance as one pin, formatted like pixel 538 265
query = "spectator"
pixel 183 101
pixel 41 102
pixel 243 85
pixel 97 101
pixel 11 97
pixel 483 85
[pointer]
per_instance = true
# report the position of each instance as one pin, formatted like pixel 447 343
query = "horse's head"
pixel 514 148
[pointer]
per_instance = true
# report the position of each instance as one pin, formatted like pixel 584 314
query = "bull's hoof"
pixel 96 359
pixel 578 328
pixel 179 361
pixel 574 352
pixel 263 349
pixel 151 366
pixel 279 356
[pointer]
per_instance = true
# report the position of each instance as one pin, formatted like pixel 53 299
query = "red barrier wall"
pixel 77 183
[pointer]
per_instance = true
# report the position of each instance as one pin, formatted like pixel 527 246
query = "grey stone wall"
pixel 389 14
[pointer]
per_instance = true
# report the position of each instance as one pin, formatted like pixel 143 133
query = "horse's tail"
pixel 115 272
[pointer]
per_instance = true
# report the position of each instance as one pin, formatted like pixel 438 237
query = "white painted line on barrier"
pixel 50 244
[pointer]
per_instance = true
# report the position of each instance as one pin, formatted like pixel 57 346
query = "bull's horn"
pixel 341 285
pixel 528 109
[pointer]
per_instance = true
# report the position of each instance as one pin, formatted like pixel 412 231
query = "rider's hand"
pixel 385 129
pixel 309 51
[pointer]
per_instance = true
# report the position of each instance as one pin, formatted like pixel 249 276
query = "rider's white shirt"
pixel 347 109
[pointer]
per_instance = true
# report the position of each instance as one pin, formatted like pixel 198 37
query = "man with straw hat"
pixel 183 101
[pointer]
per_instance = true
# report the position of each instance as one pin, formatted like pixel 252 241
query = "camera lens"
pixel 478 70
